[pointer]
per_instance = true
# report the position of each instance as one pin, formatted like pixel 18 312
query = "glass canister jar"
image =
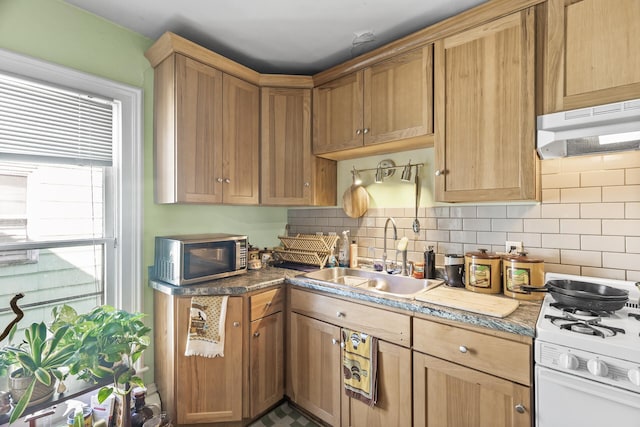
pixel 483 272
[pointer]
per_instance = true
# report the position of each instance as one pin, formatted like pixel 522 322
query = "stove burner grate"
pixel 584 326
pixel 580 311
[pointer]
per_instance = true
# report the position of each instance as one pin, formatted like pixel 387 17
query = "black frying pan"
pixel 584 295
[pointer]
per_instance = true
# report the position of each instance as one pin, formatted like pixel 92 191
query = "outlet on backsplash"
pixel 512 246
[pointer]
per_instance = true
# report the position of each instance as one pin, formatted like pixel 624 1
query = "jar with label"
pixel 520 272
pixel 418 270
pixel 483 272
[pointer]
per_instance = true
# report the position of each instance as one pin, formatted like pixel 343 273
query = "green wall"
pixel 58 32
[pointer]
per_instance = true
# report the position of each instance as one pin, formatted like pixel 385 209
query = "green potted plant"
pixel 38 360
pixel 108 344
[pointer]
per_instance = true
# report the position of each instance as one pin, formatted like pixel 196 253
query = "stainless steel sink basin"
pixel 379 282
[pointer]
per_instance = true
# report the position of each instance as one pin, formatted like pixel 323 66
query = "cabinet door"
pixel 209 390
pixel 197 142
pixel 338 114
pixel 398 98
pixel 241 148
pixel 591 53
pixel 394 392
pixel 266 374
pixel 446 394
pixel 286 146
pixel 485 121
pixel 315 368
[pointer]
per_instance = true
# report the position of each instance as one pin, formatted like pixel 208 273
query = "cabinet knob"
pixel 219 179
pixel 227 180
pixel 268 304
pixel 334 341
pixel 366 130
pixel 236 324
pixel 306 184
pixel 358 131
pixel 256 334
pixel 439 172
pixel 520 408
pixel 340 314
pixel 463 349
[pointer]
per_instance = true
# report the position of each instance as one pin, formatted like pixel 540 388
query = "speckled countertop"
pixel 521 322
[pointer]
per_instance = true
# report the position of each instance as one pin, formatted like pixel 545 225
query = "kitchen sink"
pixel 378 282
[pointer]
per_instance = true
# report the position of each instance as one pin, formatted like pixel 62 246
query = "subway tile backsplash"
pixel 588 222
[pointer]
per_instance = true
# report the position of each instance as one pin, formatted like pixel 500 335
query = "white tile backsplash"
pixel 588 222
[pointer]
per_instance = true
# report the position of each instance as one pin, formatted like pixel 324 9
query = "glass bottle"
pixel 140 411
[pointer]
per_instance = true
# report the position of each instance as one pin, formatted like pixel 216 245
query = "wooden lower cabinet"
pixel 315 372
pixel 266 375
pixel 394 392
pixel 448 394
pixel 194 389
pixel 315 368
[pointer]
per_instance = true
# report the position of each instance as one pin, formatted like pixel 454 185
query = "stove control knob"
pixel 597 368
pixel 568 361
pixel 634 376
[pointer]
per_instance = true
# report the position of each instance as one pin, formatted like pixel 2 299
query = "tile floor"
pixel 284 416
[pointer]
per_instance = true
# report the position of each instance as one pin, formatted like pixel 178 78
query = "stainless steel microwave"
pixel 188 259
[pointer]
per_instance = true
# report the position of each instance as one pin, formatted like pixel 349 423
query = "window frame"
pixel 124 290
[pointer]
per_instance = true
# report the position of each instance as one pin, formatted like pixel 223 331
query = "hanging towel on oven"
pixel 206 326
pixel 360 366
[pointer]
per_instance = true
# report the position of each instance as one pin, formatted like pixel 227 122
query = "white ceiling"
pixel 279 36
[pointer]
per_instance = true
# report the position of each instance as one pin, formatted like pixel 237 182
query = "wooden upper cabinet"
pixel 485 119
pixel 188 131
pixel 591 53
pixel 206 144
pixel 241 148
pixel 291 174
pixel 384 108
pixel 338 114
pixel 398 97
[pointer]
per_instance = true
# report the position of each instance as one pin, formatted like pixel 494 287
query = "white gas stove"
pixel 588 364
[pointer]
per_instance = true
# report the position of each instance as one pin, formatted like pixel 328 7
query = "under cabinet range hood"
pixel 601 129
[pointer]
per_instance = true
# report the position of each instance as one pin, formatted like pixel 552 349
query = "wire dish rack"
pixel 306 249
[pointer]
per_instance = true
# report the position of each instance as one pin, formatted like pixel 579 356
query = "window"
pixel 70 190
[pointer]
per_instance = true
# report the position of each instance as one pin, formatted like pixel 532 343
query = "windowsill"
pixel 75 389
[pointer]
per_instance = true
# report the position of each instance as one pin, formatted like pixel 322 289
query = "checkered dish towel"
pixel 206 326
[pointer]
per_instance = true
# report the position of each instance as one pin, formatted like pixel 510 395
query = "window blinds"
pixel 49 124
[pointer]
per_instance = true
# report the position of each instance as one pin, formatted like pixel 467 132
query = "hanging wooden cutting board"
pixel 355 201
pixel 462 299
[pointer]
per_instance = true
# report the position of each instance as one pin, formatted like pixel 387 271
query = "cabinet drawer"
pixel 266 303
pixel 380 323
pixel 494 355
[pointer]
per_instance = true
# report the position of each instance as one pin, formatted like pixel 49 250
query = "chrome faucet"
pixel 395 237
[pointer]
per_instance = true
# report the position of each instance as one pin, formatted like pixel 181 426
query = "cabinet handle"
pixel 334 341
pixel 439 172
pixel 366 130
pixel 340 314
pixel 463 349
pixel 236 324
pixel 227 180
pixel 358 131
pixel 341 344
pixel 520 408
pixel 306 184
pixel 219 180
pixel 256 334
